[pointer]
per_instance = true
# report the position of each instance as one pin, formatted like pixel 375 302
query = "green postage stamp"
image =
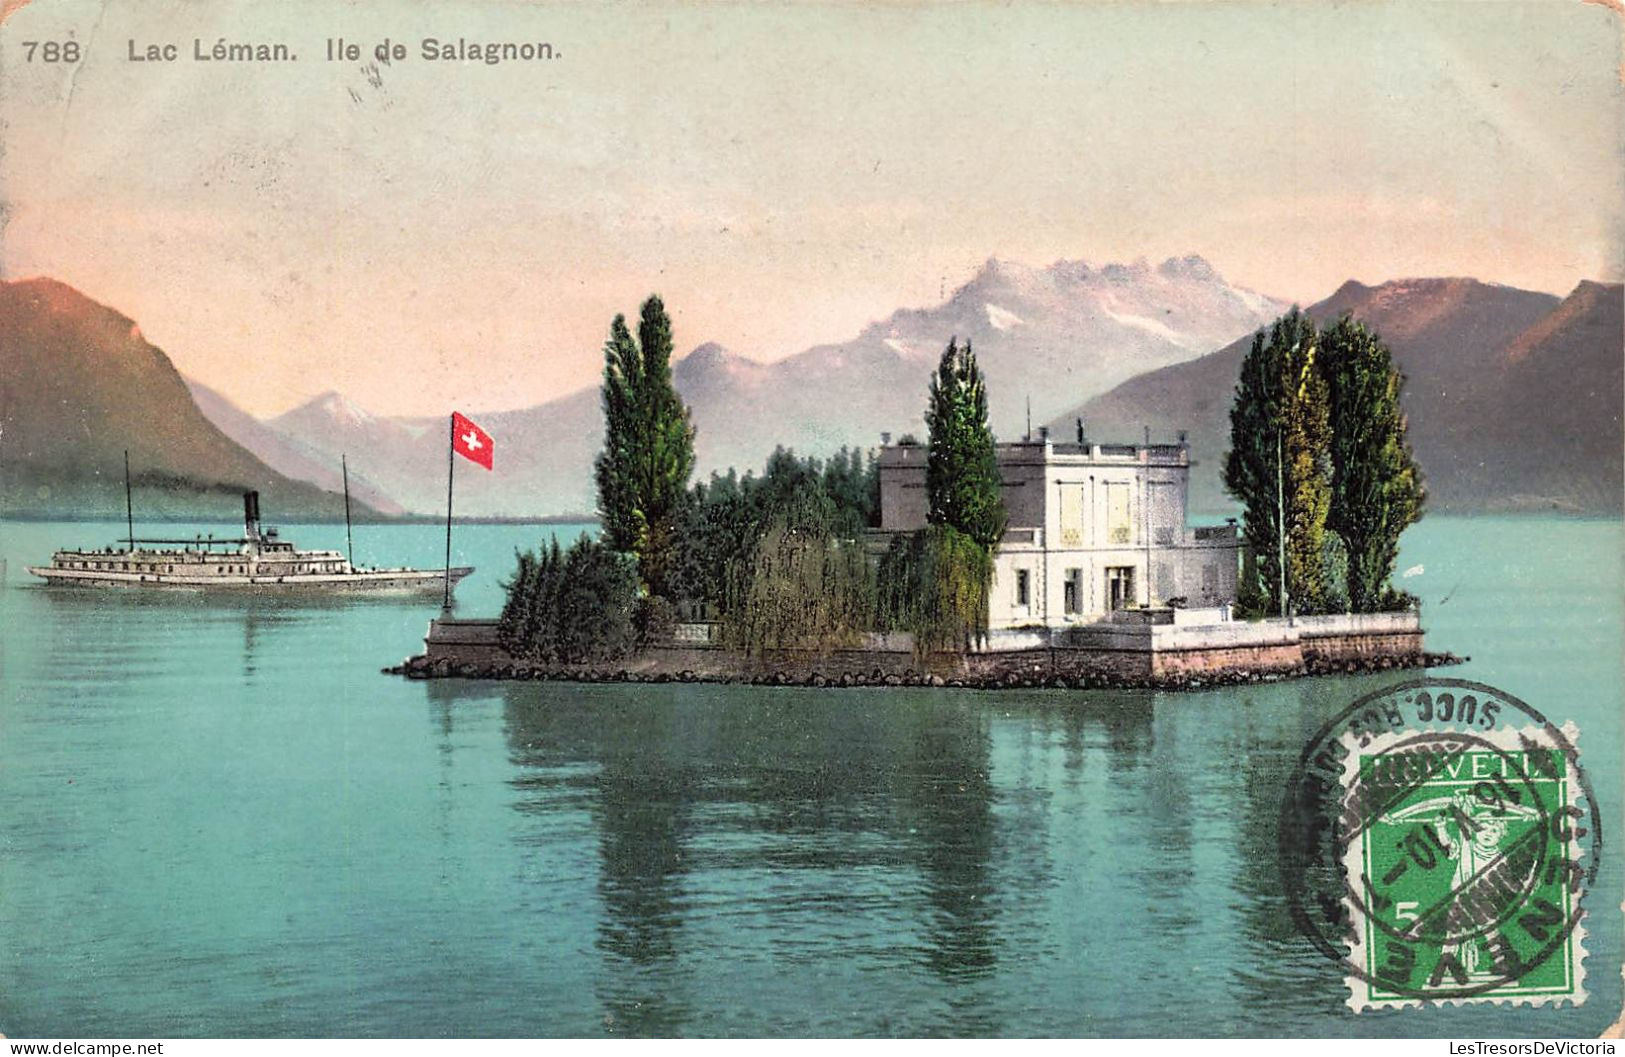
pixel 1463 863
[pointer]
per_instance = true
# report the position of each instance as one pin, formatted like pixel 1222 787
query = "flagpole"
pixel 349 541
pixel 451 472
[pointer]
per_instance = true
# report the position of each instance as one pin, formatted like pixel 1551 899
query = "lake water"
pixel 218 818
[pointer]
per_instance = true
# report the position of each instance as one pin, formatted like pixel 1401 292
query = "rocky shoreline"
pixel 420 667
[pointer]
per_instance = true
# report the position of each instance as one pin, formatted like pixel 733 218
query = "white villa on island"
pixel 1093 528
pixel 1097 578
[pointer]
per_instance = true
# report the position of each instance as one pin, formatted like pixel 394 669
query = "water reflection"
pixel 942 759
pixel 965 848
pixel 811 795
pixel 1273 956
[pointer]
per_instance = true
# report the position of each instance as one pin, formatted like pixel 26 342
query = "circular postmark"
pixel 1433 840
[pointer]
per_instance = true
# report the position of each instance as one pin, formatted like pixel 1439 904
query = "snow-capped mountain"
pixel 1055 335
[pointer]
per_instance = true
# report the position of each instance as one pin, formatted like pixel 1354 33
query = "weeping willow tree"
pixel 801 586
pixel 934 584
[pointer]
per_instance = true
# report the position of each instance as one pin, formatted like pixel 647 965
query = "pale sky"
pixel 462 234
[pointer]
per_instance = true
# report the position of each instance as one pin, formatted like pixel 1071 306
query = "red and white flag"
pixel 470 441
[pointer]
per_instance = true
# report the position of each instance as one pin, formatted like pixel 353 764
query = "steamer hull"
pixel 401 581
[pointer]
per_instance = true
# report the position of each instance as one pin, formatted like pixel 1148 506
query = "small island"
pixel 962 561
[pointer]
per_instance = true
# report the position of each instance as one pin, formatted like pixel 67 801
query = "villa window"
pixel 1071 592
pixel 1024 588
pixel 1119 524
pixel 1071 515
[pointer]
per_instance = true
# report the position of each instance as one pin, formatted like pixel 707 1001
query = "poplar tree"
pixel 962 470
pixel 648 452
pixel 1277 466
pixel 1376 485
pixel 1308 475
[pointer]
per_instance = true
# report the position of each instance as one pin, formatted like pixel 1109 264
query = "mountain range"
pixel 1513 397
pixel 81 386
pixel 1051 336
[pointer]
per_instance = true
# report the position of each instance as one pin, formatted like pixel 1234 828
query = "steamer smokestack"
pixel 251 515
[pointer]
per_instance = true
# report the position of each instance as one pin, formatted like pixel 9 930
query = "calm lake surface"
pixel 218 818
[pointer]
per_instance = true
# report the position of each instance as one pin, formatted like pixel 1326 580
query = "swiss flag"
pixel 470 441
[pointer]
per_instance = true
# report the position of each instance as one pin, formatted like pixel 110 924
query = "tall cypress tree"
pixel 1250 469
pixel 1376 487
pixel 962 471
pixel 648 452
pixel 1279 424
pixel 624 521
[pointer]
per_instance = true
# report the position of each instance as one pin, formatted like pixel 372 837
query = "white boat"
pixel 258 561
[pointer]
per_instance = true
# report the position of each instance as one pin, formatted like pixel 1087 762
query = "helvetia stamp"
pixel 1438 839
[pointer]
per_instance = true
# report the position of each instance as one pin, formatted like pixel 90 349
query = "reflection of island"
pixel 833 802
pixel 945 792
pixel 784 843
pixel 642 820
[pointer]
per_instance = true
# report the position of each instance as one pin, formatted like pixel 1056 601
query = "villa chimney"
pixel 1043 434
pixel 885 440
pixel 251 515
pixel 1081 438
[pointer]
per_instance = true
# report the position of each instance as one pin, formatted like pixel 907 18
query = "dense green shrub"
pixel 510 625
pixel 654 621
pixel 573 606
pixel 723 520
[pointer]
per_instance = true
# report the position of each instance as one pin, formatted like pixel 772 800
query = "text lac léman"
pixel 339 49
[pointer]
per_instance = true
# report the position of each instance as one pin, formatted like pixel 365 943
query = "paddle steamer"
pixel 258 561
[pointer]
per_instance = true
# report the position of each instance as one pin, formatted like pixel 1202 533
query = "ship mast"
pixel 129 506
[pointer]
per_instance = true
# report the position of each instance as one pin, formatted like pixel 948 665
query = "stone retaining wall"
pixel 1093 655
